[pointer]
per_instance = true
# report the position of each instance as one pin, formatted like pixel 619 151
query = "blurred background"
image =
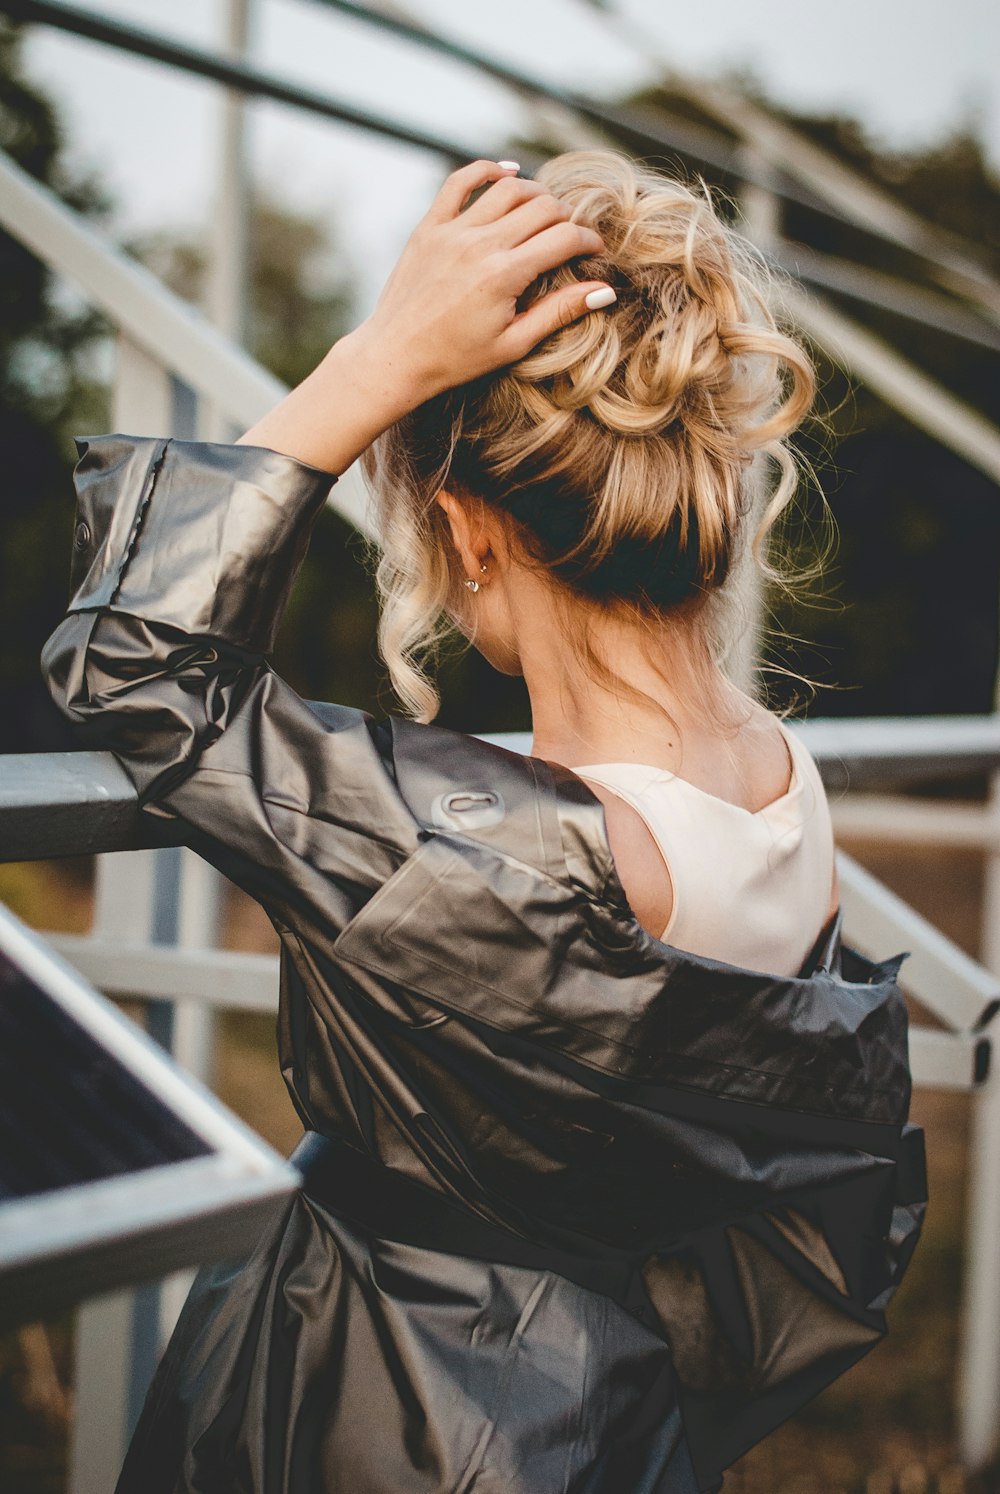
pixel 858 144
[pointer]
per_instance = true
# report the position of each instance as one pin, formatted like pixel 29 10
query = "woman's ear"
pixel 467 532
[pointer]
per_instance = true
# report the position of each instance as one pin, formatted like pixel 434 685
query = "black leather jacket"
pixel 699 1179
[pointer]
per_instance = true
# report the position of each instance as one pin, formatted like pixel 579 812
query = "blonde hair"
pixel 625 447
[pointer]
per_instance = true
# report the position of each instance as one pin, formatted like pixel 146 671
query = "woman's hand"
pixel 448 314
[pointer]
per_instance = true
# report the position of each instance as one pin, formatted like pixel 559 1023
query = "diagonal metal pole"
pixel 256 81
pixel 801 162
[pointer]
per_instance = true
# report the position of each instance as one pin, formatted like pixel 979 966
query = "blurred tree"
pixel 299 301
pixel 297 308
pixel 46 344
pixel 905 621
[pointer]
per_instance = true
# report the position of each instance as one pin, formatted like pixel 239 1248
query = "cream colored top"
pixel 750 888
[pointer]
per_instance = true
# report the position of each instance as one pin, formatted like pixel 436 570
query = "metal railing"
pixel 75 803
pixel 155 930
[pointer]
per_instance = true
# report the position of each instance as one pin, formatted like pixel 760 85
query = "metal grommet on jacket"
pixel 468 809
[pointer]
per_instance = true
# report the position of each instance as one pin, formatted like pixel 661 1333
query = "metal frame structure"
pixel 82 1238
pixel 156 922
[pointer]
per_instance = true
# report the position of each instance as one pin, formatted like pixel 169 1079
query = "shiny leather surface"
pixel 467 997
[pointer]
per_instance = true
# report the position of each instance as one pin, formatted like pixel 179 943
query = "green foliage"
pixel 44 390
pixel 295 313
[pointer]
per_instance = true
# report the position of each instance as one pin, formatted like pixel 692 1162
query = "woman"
pixel 606 1165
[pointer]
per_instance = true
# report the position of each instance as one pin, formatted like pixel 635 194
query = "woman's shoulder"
pixel 523 807
pixel 767 757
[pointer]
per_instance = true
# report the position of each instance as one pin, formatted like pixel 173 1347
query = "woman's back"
pixel 750 887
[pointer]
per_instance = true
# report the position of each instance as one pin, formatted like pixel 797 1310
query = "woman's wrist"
pixel 361 387
pixel 385 377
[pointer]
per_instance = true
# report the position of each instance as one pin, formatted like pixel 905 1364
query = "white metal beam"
pixel 220 978
pixel 978 1374
pixel 229 228
pixel 900 819
pixel 99 1435
pixel 105 1326
pixel 978 1379
pixel 900 383
pixel 898 739
pixel 960 992
pixel 151 317
pixel 947 1060
pixel 142 398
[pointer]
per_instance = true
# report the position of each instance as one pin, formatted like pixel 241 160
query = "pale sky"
pixel 909 70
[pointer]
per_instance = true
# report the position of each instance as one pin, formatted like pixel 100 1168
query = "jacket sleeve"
pixel 184 555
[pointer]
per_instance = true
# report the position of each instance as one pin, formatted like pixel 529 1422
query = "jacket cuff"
pixel 201 536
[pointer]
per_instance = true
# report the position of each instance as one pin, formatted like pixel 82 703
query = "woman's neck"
pixel 579 719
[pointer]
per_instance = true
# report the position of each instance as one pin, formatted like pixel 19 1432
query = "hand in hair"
pixel 449 310
pixel 448 314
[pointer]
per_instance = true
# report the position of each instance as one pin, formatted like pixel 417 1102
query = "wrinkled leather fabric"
pixel 467 997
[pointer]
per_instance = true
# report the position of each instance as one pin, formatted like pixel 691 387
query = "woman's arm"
pixel 185 553
pixel 447 315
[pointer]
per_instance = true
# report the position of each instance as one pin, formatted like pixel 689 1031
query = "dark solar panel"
pixel 71 1112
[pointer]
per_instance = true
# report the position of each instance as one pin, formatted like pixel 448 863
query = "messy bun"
pixel 622 445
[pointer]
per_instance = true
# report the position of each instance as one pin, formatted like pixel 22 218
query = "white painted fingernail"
pixel 510 165
pixel 603 297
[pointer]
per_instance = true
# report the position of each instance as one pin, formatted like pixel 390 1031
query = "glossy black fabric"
pixel 467 998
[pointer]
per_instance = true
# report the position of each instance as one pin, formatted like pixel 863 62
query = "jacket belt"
pixel 386 1204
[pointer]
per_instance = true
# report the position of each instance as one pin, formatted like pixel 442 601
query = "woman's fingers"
pixel 448 312
pixel 521 214
pixel 499 200
pixel 531 217
pixel 460 184
pixel 553 246
pixel 558 309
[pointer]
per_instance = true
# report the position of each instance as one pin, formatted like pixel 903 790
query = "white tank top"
pixel 750 889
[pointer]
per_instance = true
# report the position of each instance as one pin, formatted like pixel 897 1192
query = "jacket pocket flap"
pixel 481 934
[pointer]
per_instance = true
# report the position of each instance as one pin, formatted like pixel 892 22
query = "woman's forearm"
pixel 352 396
